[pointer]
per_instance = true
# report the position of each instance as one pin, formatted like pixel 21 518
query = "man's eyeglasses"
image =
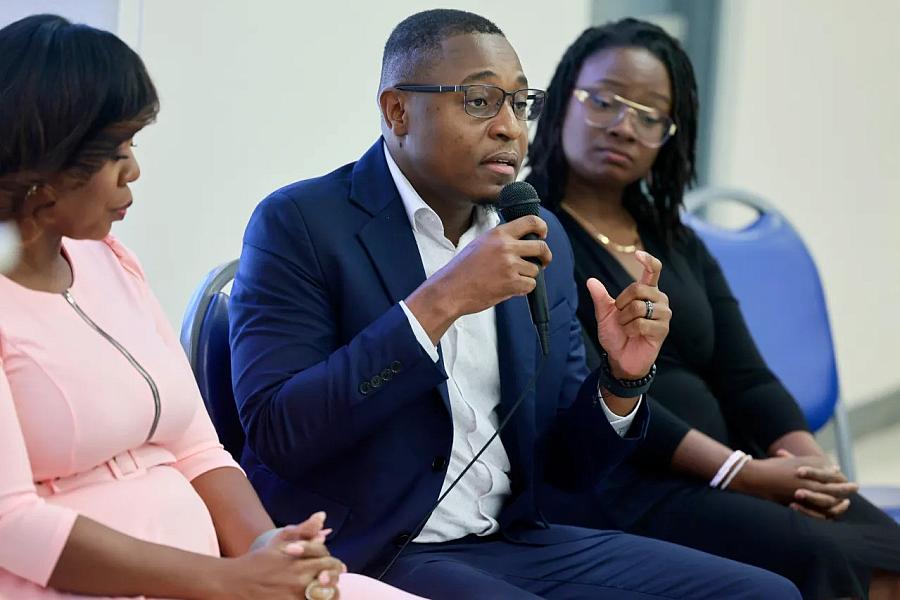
pixel 485 101
pixel 604 110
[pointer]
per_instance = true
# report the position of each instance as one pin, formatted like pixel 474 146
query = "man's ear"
pixel 393 111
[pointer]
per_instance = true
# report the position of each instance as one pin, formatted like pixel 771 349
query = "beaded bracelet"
pixel 624 388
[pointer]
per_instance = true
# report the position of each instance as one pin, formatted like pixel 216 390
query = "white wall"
pixel 258 94
pixel 806 114
pixel 97 13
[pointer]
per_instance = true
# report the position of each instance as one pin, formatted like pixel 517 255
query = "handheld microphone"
pixel 519 199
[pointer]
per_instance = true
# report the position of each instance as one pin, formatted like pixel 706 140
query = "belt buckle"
pixel 124 465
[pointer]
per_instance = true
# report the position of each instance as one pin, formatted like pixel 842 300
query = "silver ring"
pixel 317 591
pixel 649 314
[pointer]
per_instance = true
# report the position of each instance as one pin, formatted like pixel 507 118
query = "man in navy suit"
pixel 380 334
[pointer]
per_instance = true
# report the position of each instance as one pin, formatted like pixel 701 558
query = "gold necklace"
pixel 602 238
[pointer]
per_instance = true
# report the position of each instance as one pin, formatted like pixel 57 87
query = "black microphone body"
pixel 520 199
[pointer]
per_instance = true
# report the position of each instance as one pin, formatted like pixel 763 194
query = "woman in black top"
pixel 612 155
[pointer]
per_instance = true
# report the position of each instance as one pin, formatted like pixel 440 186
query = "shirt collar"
pixel 416 206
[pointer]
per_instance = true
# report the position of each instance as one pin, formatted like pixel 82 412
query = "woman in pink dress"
pixel 112 480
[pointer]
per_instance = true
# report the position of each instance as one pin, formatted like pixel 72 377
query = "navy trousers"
pixel 571 563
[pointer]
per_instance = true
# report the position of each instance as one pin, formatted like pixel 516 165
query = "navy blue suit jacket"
pixel 344 410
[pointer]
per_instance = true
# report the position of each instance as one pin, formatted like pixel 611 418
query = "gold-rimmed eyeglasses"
pixel 605 109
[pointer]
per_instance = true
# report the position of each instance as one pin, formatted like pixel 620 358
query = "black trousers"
pixel 825 559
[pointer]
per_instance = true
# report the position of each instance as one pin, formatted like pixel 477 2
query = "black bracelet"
pixel 624 388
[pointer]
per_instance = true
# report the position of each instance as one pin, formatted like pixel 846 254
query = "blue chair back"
pixel 774 277
pixel 204 337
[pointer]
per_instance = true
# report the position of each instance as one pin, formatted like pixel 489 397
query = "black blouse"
pixel 710 375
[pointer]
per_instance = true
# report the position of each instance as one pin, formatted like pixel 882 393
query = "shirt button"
pixel 386 375
pixel 439 463
pixel 396 366
pixel 376 381
pixel 365 388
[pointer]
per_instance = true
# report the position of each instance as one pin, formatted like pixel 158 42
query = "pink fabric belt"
pixel 124 465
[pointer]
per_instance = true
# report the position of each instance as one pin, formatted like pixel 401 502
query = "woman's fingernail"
pixel 324 578
pixel 343 568
pixel 326 532
pixel 319 515
pixel 802 472
pixel 800 494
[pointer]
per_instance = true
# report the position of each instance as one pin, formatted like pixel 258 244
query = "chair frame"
pixel 215 282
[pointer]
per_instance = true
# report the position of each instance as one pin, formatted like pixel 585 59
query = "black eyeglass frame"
pixel 442 89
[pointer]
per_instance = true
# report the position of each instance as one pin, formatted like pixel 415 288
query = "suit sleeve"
pixel 297 386
pixel 583 446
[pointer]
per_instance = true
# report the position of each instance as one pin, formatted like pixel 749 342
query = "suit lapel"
pixel 518 354
pixel 388 237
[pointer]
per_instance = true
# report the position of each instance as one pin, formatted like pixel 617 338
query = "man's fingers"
pixel 652 268
pixel 640 291
pixel 522 226
pixel 525 285
pixel 637 309
pixel 533 248
pixel 603 302
pixel 642 328
pixel 528 269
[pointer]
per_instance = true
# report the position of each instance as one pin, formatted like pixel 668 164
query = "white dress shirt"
pixel 469 349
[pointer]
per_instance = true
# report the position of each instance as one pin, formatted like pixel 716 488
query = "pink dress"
pixel 100 416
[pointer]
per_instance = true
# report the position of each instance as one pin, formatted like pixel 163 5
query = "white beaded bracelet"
pixel 726 467
pixel 737 468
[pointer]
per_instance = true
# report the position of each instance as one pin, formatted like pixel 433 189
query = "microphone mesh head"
pixel 518 199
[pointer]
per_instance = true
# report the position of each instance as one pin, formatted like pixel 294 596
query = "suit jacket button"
pixel 386 375
pixel 401 539
pixel 439 463
pixel 365 388
pixel 376 381
pixel 396 366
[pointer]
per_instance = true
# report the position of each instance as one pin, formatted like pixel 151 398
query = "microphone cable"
pixel 418 528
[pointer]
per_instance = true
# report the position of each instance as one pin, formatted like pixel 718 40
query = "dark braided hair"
pixel 674 167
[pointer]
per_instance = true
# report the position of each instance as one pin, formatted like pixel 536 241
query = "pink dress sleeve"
pixel 34 532
pixel 198 450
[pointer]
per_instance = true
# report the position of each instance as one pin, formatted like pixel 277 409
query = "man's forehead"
pixel 478 55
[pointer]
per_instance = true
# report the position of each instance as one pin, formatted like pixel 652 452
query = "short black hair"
pixel 70 95
pixel 674 168
pixel 416 41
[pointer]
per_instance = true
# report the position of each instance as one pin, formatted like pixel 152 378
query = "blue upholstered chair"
pixel 776 281
pixel 204 337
